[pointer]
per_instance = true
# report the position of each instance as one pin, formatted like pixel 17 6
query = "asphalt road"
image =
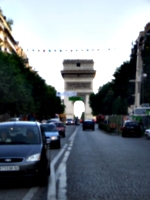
pixel 108 167
pixel 92 165
pixel 20 190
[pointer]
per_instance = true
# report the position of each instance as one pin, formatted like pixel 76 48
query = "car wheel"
pixel 63 135
pixel 58 145
pixel 43 179
pixel 123 135
pixel 139 135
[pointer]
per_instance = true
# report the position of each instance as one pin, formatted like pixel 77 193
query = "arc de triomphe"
pixel 78 76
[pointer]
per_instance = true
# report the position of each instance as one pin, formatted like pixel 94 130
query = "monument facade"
pixel 78 77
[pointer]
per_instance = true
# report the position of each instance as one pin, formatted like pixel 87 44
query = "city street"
pixel 93 165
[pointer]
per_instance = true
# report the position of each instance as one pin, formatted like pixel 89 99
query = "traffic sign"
pixel 75 98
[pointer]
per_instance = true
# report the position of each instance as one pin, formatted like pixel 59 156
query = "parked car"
pixel 88 124
pixel 51 133
pixel 131 128
pixel 14 119
pixel 147 133
pixel 70 122
pixel 24 151
pixel 61 128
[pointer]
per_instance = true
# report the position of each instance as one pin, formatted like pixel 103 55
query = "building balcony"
pixel 1 26
pixel 9 43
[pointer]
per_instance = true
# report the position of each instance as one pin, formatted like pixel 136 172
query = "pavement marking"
pixel 61 174
pixel 51 195
pixel 30 193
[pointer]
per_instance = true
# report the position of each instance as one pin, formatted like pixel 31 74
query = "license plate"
pixel 9 168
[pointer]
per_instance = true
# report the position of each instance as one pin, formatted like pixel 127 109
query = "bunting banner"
pixel 71 50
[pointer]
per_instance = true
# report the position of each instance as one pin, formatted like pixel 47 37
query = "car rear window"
pixel 88 120
pixel 131 124
pixel 48 127
pixel 59 124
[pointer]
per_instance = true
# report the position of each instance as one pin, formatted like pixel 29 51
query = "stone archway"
pixel 78 77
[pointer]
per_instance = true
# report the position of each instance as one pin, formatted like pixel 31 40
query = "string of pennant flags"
pixel 76 50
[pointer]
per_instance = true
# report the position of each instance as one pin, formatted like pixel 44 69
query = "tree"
pixel 23 91
pixel 146 69
pixel 14 96
pixel 114 97
pixel 101 103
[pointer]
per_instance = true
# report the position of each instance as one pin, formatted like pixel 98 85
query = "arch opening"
pixel 79 108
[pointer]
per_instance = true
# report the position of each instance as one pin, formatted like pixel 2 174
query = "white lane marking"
pixel 61 174
pixel 30 193
pixel 51 195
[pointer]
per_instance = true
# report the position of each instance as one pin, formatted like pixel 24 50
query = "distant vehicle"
pixel 131 128
pixel 142 115
pixel 52 134
pixel 61 128
pixel 24 153
pixel 14 119
pixel 53 120
pixel 145 105
pixel 70 121
pixel 88 124
pixel 141 111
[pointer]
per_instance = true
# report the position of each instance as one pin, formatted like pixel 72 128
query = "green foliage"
pixel 106 127
pixel 114 97
pixel 119 106
pixel 103 100
pixel 82 115
pixel 145 97
pixel 23 91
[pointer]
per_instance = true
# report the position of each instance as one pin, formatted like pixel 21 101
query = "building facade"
pixel 7 42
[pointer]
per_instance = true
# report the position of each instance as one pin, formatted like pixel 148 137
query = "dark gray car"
pixel 24 151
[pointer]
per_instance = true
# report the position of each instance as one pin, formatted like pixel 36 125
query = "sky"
pixel 107 29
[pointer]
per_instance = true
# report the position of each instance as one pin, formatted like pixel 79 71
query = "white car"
pixel 147 133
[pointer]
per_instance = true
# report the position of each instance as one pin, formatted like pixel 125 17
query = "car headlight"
pixel 34 157
pixel 54 138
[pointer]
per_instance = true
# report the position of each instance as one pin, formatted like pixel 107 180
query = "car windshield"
pixel 49 128
pixel 19 134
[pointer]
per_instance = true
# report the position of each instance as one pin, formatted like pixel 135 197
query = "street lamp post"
pixel 139 71
pixel 143 77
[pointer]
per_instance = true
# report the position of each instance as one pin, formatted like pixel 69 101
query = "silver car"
pixel 51 133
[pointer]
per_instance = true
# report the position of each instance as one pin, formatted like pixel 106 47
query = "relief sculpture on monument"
pixel 79 85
